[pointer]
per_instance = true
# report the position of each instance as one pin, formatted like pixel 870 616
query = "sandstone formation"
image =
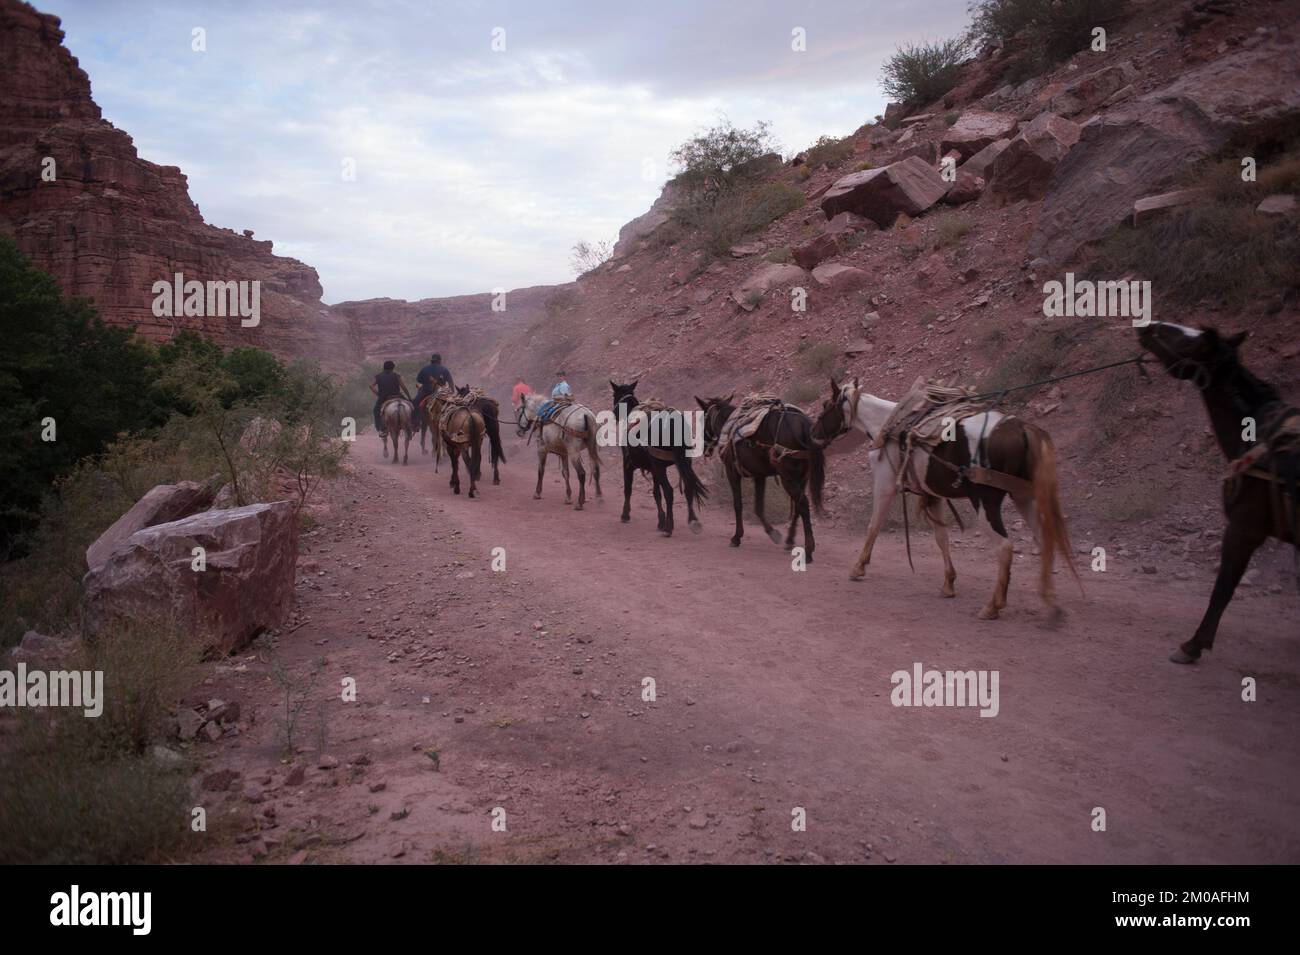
pixel 246 586
pixel 910 186
pixel 1135 149
pixel 976 129
pixel 161 505
pixel 109 224
pixel 1022 169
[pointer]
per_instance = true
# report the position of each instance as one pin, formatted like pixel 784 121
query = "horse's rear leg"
pixel 384 438
pixel 991 514
pixel 934 511
pixel 582 481
pixel 687 480
pixel 661 476
pixel 1239 543
pixel 656 489
pixel 406 448
pixel 455 469
pixel 760 508
pixel 564 470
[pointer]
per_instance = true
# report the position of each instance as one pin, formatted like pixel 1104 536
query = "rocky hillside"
pixel 109 224
pixel 907 275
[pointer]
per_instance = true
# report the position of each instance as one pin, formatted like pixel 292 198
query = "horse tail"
pixel 589 422
pixel 687 480
pixel 1047 505
pixel 817 479
pixel 475 427
pixel 494 433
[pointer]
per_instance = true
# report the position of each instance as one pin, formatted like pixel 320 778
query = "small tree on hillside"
pixel 715 160
pixel 590 255
pixel 918 74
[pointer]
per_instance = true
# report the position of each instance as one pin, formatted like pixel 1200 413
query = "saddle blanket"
pixel 748 417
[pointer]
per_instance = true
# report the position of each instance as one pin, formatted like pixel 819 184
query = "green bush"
pixel 1054 30
pixel 719 159
pixel 739 213
pixel 1218 249
pixel 919 74
pixel 828 151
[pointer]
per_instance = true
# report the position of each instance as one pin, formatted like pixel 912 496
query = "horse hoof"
pixel 735 542
pixel 496 480
pixel 857 574
pixel 948 593
pixel 625 519
pixel 696 527
pixel 1182 656
pixel 774 535
pixel 988 613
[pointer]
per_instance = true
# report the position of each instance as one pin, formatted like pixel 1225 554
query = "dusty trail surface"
pixel 772 693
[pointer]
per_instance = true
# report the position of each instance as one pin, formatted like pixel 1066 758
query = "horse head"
pixel 1191 354
pixel 716 412
pixel 624 395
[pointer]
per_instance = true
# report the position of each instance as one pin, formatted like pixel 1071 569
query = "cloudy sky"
pixel 475 168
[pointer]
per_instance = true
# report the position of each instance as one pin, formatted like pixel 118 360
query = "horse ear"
pixel 855 382
pixel 612 385
pixel 835 388
pixel 731 398
pixel 1234 341
pixel 702 403
pixel 634 383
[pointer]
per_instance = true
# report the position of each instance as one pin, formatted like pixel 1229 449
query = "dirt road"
pixel 772 695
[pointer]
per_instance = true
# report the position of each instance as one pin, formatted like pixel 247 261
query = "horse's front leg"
pixel 934 512
pixel 629 473
pixel 1239 543
pixel 655 484
pixel 564 470
pixel 541 471
pixel 760 508
pixel 737 501
pixel 882 497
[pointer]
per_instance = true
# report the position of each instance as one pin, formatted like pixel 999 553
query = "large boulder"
pixel 1091 91
pixel 245 586
pixel 978 165
pixel 1143 145
pixel 815 251
pixel 910 186
pixel 748 294
pixel 976 129
pixel 841 278
pixel 163 504
pixel 1021 171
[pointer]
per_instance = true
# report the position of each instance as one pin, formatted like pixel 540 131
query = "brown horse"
pixel 782 447
pixel 1261 496
pixel 461 430
pixel 397 415
pixel 1015 453
pixel 665 446
pixel 491 412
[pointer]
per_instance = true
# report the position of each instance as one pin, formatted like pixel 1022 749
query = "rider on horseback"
pixel 387 384
pixel 432 377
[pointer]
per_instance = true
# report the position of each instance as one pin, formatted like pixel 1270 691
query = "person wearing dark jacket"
pixel 387 384
pixel 432 377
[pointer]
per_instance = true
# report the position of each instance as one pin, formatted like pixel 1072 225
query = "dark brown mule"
pixel 991 455
pixel 663 445
pixel 491 412
pixel 783 447
pixel 1262 498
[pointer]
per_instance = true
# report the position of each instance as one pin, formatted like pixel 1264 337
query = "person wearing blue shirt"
pixel 561 388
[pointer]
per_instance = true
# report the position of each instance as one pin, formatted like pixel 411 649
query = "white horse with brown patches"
pixel 992 455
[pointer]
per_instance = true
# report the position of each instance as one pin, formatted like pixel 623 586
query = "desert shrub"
pixel 1037 355
pixel 1053 30
pixel 91 790
pixel 1133 501
pixel 719 160
pixel 780 255
pixel 802 392
pixel 739 213
pixel 917 74
pixel 590 255
pixel 1218 248
pixel 951 231
pixel 828 151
